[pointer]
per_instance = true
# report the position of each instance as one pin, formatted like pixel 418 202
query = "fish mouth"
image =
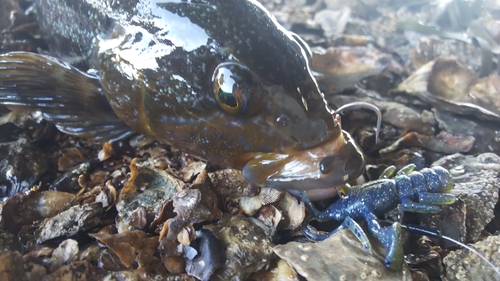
pixel 316 169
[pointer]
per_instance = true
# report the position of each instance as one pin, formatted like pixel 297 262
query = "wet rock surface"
pixel 341 256
pixel 141 210
pixel 21 166
pixel 247 245
pixel 147 189
pixel 466 265
pixel 477 184
pixel 70 222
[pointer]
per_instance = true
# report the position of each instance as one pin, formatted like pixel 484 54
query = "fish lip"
pixel 299 170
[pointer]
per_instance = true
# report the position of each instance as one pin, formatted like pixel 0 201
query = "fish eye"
pixel 227 98
pixel 236 89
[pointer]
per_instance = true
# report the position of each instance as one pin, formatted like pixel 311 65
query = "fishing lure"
pixel 419 192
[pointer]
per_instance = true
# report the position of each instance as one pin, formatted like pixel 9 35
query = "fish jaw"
pixel 323 167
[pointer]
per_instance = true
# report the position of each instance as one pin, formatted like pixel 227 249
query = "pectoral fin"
pixel 71 99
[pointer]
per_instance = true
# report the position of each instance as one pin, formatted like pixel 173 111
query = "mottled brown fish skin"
pixel 219 79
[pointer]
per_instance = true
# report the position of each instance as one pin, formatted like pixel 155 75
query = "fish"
pixel 221 80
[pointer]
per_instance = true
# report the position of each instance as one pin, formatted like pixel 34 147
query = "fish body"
pixel 218 79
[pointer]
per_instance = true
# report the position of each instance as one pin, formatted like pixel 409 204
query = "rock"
pixel 247 247
pixel 70 222
pixel 21 165
pixel 339 257
pixel 465 265
pixel 477 182
pixel 148 187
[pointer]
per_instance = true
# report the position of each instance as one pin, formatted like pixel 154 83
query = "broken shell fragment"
pixel 247 247
pixel 158 187
pixel 446 84
pixel 342 67
pixel 34 206
pixel 443 142
pixel 250 205
pixel 70 222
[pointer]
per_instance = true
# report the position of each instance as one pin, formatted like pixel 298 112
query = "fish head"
pixel 224 81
